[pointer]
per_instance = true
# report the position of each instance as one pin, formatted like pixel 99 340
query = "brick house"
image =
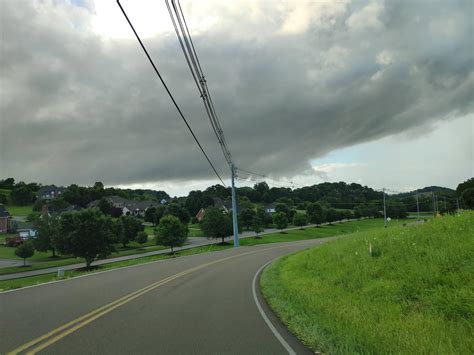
pixel 5 219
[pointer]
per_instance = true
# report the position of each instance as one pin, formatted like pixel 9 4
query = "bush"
pixel 25 250
pixel 300 220
pixel 142 237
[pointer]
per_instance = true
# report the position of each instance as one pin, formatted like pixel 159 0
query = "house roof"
pixel 3 211
pixel 131 205
pixel 49 189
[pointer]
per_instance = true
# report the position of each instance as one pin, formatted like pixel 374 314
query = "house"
pixel 5 220
pixel 200 214
pixel 128 207
pixel 27 233
pixel 51 192
pixel 270 208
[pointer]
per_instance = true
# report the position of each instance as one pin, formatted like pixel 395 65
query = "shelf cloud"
pixel 291 82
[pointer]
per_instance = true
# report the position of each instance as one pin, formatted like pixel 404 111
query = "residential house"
pixel 270 208
pixel 5 220
pixel 27 233
pixel 200 214
pixel 128 207
pixel 49 193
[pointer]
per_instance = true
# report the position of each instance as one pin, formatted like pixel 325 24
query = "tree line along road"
pixel 199 304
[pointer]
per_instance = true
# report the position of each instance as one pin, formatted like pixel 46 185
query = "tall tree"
pixel 131 226
pixel 175 209
pixel 171 232
pixel 281 220
pixel 300 220
pixel 216 224
pixel 247 216
pixel 315 213
pixel 87 234
pixel 48 228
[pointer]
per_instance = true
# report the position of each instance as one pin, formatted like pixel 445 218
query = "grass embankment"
pixel 413 294
pixel 19 210
pixel 294 235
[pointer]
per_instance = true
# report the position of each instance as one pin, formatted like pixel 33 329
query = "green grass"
pixel 6 192
pixel 413 294
pixel 308 233
pixel 19 210
pixel 35 280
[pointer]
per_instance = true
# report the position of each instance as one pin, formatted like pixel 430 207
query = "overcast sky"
pixel 375 92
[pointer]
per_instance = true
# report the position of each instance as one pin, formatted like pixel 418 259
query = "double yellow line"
pixel 57 334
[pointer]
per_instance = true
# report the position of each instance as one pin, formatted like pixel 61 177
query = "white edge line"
pixel 264 316
pixel 98 272
pixel 120 268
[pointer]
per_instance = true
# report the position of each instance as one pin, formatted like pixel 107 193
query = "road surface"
pixel 198 304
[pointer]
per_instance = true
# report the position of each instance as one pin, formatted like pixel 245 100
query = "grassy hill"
pixel 413 293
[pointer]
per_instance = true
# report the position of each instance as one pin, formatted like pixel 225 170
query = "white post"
pixel 384 210
pixel 234 209
pixel 417 207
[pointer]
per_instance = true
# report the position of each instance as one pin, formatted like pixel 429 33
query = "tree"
pixel 22 195
pixel 282 207
pixel 265 217
pixel 467 198
pixel 142 237
pixel 131 226
pixel 105 206
pixel 469 183
pixel 48 228
pixel 257 226
pixel 247 216
pixel 216 224
pixel 300 220
pixel 171 232
pixel 175 209
pixel 197 200
pixel 332 215
pixel 315 213
pixel 3 199
pixel 280 219
pixel 25 250
pixel 150 215
pixel 396 209
pixel 7 183
pixel 87 234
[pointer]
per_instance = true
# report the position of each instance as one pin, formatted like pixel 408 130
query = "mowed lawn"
pixel 406 290
pixel 19 210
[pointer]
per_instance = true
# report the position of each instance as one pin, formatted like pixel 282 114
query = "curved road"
pixel 199 304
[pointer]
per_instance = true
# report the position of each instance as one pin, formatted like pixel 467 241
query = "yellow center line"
pixel 82 321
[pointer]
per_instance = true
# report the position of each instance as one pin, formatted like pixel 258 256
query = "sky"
pixel 374 92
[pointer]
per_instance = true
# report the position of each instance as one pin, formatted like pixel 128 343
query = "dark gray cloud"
pixel 289 87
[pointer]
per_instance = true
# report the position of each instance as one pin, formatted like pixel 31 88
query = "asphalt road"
pixel 199 304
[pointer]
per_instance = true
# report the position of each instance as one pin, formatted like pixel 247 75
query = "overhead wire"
pixel 187 45
pixel 170 95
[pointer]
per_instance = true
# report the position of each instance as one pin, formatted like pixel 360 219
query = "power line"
pixel 170 95
pixel 189 51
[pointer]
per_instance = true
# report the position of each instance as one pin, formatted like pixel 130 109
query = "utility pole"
pixel 417 207
pixel 384 210
pixel 234 208
pixel 436 203
pixel 457 204
pixel 433 198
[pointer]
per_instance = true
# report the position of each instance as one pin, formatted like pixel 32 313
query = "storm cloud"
pixel 291 81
